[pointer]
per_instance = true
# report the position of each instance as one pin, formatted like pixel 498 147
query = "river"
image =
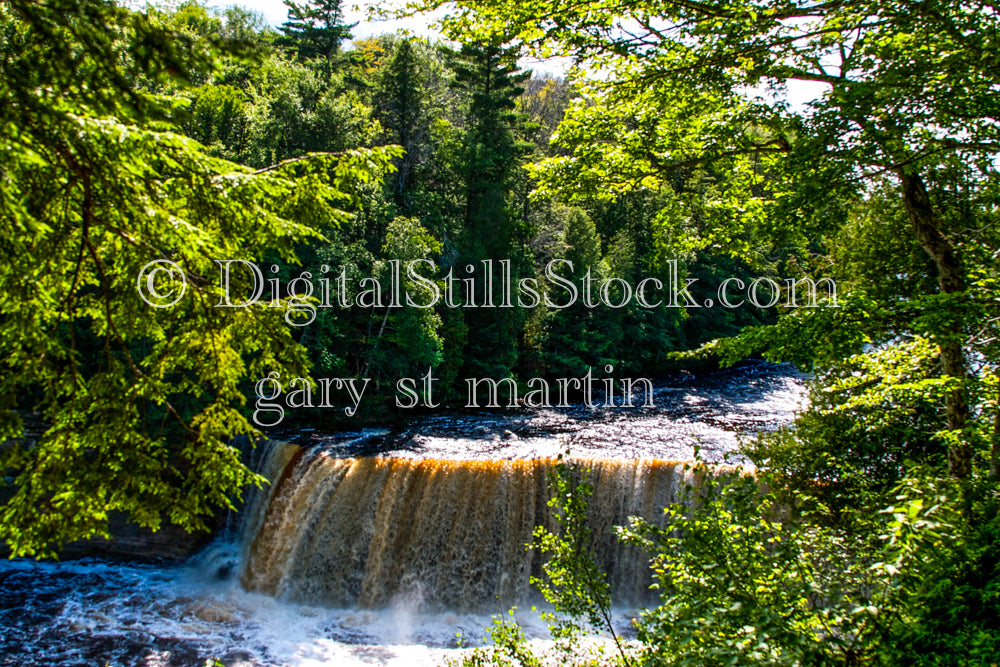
pixel 378 546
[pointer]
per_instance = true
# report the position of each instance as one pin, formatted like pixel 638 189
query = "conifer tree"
pixel 316 28
pixel 576 336
pixel 401 103
pixel 136 401
pixel 488 73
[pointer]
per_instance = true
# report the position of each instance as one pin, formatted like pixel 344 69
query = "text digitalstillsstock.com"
pixel 486 284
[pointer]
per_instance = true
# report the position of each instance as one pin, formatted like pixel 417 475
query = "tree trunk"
pixel 995 450
pixel 950 281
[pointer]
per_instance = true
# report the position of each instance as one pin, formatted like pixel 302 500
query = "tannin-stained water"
pixel 443 534
pixel 376 547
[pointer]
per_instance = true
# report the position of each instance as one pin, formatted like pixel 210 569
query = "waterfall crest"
pixel 434 534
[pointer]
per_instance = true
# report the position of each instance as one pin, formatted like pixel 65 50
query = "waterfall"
pixel 434 534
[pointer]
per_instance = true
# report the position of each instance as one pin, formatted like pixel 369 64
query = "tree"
pixel 578 337
pixel 244 25
pixel 908 85
pixel 487 73
pixel 401 106
pixel 316 28
pixel 138 404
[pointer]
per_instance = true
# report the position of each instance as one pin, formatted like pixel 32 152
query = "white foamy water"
pixel 475 482
pixel 93 612
pixel 708 413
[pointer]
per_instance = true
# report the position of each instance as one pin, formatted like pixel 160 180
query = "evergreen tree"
pixel 316 29
pixel 575 337
pixel 137 407
pixel 487 73
pixel 401 107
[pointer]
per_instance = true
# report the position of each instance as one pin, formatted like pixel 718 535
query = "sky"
pixel 275 11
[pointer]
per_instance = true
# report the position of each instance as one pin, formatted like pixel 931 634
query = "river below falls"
pixel 96 612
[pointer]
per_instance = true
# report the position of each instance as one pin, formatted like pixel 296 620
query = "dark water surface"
pixel 94 612
pixel 708 411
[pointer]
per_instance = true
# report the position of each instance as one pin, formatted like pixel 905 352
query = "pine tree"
pixel 579 337
pixel 316 29
pixel 137 407
pixel 488 74
pixel 401 107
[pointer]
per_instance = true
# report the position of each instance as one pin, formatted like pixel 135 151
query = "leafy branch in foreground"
pixel 910 111
pixel 747 580
pixel 574 585
pixel 510 646
pixel 138 404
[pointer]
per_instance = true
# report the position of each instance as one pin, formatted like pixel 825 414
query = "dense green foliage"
pixel 905 122
pixel 139 405
pixel 869 533
pixel 870 526
pixel 750 572
pixel 192 135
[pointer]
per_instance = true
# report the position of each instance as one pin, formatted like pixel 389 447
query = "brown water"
pixel 377 546
pixel 441 534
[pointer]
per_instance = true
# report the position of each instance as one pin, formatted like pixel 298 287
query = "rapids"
pixel 377 546
pixel 709 412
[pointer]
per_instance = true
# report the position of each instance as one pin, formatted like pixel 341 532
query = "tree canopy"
pixel 139 404
pixel 140 147
pixel 909 93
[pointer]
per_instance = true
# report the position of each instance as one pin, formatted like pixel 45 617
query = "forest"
pixel 674 146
